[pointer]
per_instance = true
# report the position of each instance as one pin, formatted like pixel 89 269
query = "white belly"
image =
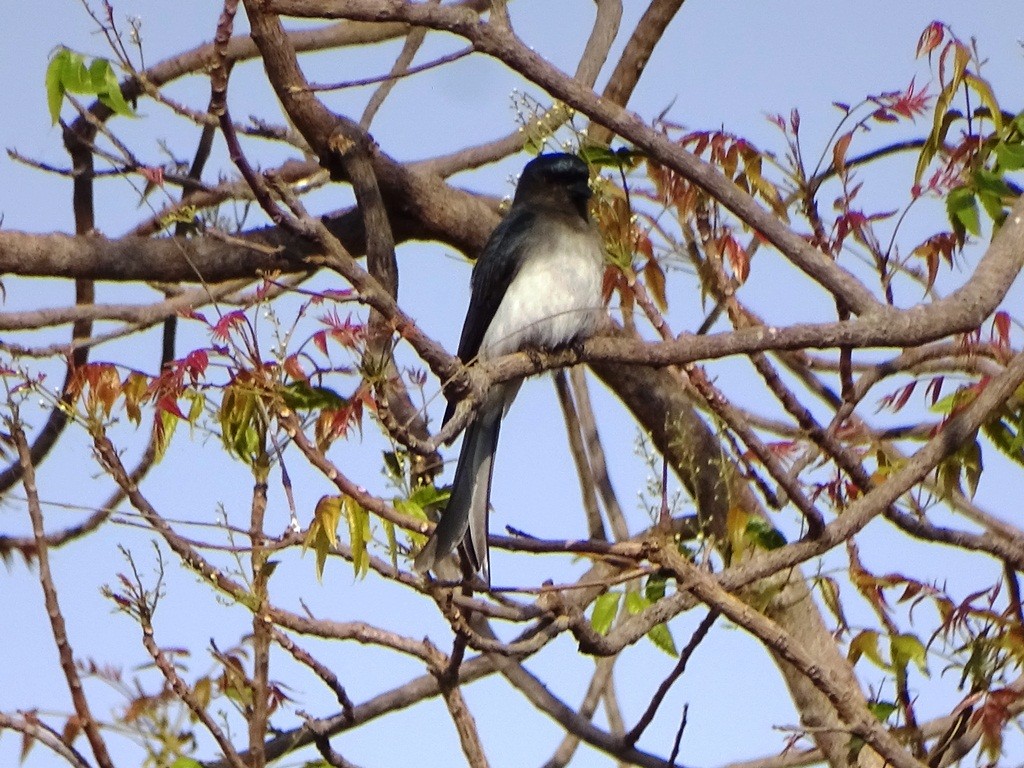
pixel 553 299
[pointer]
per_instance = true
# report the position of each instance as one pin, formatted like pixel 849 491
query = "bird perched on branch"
pixel 537 283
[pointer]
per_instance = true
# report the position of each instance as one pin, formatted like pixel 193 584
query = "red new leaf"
pixel 222 330
pixel 930 39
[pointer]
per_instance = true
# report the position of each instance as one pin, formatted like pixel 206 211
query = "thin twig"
pixel 659 696
pixel 53 609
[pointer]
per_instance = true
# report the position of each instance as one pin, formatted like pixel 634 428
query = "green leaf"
pixel 430 496
pixel 389 531
pixel 1007 434
pixel 322 535
pixel 602 156
pixel 425 497
pixel 866 644
pixel 882 709
pixel 635 603
pixel 411 508
pixel 905 649
pixel 973 465
pixel 990 182
pixel 55 83
pixel 943 115
pixel 104 80
pixel 993 193
pixel 359 535
pixel 655 589
pixel 1009 156
pixel 993 205
pixel 196 409
pixel 167 422
pixel 242 426
pixel 394 466
pixel 928 151
pixel 965 463
pixel 763 534
pixel 74 75
pixel 957 399
pixel 661 636
pixel 605 608
pixel 962 207
pixel 186 762
pixel 300 396
pixel 988 98
pixel 68 73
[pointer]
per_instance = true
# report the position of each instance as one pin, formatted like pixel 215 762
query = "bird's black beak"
pixel 580 190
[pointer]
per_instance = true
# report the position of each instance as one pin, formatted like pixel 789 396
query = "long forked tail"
pixel 465 517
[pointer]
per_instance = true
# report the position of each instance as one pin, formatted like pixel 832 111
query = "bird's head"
pixel 556 179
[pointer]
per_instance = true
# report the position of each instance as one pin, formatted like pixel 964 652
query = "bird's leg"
pixel 576 345
pixel 535 354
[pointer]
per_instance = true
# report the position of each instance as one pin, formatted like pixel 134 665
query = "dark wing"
pixel 491 277
pixel 492 274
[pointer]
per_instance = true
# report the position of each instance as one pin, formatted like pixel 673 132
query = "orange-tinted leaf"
pixel 293 368
pixel 937 248
pixel 320 340
pixel 153 174
pixel 104 388
pixel 736 255
pixel 203 691
pixel 730 161
pixel 642 244
pixel 839 152
pixel 930 39
pixel 135 388
pixel 1001 329
pixel 136 708
pixel 654 276
pixel 993 716
pixel 347 332
pixel 736 520
pixel 829 588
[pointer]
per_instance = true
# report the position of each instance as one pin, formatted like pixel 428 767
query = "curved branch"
pixel 44 735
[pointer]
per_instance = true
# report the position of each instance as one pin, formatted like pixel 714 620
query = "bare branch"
pixel 53 609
